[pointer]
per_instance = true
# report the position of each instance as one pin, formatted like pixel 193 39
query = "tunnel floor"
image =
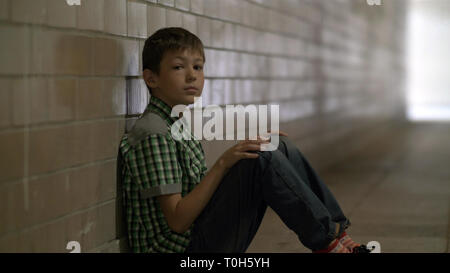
pixel 395 190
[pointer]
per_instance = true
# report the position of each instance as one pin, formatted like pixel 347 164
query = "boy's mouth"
pixel 191 90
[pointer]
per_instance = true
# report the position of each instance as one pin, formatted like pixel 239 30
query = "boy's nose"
pixel 190 76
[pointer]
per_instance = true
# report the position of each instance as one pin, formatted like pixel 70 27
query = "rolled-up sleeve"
pixel 154 163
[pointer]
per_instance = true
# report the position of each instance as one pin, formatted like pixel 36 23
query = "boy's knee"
pixel 271 156
pixel 286 145
pixel 286 141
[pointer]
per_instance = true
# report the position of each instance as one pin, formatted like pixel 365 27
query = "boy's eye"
pixel 197 67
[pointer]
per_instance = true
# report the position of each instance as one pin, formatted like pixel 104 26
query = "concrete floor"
pixel 395 191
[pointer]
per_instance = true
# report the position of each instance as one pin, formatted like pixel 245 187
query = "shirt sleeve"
pixel 155 166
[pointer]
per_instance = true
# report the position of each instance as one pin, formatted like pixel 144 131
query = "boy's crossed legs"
pixel 282 179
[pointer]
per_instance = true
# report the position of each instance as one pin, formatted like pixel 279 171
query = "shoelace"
pixel 362 249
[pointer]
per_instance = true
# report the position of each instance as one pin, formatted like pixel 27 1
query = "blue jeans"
pixel 282 179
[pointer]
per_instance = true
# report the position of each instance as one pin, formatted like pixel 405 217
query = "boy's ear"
pixel 150 78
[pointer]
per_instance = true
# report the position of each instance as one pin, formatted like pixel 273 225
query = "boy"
pixel 173 205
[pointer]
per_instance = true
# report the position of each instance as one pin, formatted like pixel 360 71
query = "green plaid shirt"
pixel 156 164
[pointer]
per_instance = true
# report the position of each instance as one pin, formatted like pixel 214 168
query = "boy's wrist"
pixel 220 165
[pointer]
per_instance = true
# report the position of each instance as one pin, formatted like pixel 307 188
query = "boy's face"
pixel 180 78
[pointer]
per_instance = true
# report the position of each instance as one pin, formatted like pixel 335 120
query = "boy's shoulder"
pixel 149 123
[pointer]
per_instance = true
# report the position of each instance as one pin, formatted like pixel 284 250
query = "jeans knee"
pixel 287 146
pixel 271 156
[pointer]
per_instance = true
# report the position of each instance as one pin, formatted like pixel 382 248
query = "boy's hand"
pixel 240 151
pixel 281 133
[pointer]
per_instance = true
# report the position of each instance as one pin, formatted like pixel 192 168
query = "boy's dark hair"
pixel 167 39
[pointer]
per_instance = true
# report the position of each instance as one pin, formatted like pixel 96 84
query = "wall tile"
pixel 232 68
pixel 60 14
pixel 190 23
pixel 241 38
pixel 225 10
pixel 73 55
pixel 39 100
pixel 174 18
pixel 62 99
pixel 248 14
pixel 9 243
pixel 156 19
pixel 50 149
pixel 217 92
pixel 29 11
pixel 106 54
pixel 217 33
pixel 21 100
pixel 251 41
pixel 137 19
pixel 182 4
pixel 235 10
pixel 12 147
pixel 102 142
pixel 204 30
pixel 4 8
pixel 210 65
pixel 90 15
pixel 12 210
pixel 5 103
pixel 114 96
pixel 169 3
pixel 92 184
pixel 128 57
pixel 14 50
pixel 141 49
pixel 228 92
pixel 115 12
pixel 50 197
pixel 228 35
pixel 137 96
pixel 39 40
pixel 211 8
pixel 197 6
pixel 273 20
pixel 89 99
pixel 221 63
pixel 260 17
pixel 206 93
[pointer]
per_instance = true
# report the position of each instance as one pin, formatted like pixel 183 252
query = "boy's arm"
pixel 181 212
